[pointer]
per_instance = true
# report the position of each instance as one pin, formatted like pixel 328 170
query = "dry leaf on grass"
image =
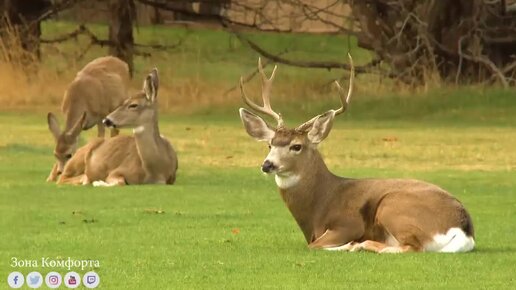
pixel 154 210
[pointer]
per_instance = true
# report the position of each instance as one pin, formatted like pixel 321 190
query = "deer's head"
pixel 138 110
pixel 290 149
pixel 66 141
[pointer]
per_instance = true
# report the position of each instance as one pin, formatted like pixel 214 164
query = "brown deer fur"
pixel 97 89
pixel 336 213
pixel 145 157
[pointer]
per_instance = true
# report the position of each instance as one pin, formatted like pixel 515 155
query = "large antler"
pixel 344 98
pixel 266 91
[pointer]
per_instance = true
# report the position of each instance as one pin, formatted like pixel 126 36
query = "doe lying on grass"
pixel 97 89
pixel 335 213
pixel 145 157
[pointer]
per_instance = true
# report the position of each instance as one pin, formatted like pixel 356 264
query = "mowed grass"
pixel 224 225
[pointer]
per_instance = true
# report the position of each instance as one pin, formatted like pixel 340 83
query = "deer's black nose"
pixel 268 166
pixel 108 123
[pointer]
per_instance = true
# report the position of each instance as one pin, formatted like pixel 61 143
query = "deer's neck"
pixel 305 191
pixel 150 146
pixel 73 114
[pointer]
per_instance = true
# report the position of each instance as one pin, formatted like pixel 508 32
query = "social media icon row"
pixel 53 280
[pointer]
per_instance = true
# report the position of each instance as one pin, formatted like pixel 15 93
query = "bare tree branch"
pixel 94 40
pixel 56 8
pixel 485 61
pixel 298 63
pixel 250 76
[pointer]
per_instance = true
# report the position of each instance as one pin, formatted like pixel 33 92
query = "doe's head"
pixel 139 109
pixel 66 141
pixel 290 149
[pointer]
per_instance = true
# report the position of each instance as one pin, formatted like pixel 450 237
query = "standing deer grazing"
pixel 97 90
pixel 145 157
pixel 335 213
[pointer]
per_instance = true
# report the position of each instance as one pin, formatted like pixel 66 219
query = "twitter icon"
pixel 34 280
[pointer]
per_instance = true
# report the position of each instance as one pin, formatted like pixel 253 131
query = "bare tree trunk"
pixel 123 13
pixel 157 17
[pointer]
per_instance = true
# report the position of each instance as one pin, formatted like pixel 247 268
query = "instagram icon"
pixel 53 280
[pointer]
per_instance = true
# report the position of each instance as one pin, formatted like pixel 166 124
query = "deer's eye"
pixel 132 106
pixel 269 146
pixel 296 147
pixel 68 156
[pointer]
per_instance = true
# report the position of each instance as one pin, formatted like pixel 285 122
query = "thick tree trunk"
pixel 20 28
pixel 121 30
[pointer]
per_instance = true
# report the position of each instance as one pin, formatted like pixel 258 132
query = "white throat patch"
pixel 288 181
pixel 138 129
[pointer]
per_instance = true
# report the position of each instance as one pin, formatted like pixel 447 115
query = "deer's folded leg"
pixel 111 180
pixel 52 177
pixel 73 180
pixel 340 238
pixel 378 247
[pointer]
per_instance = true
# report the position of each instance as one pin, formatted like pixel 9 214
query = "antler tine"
pixel 345 101
pixel 266 90
pixel 266 85
pixel 344 98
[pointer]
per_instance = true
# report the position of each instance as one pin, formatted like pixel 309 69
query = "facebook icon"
pixel 15 280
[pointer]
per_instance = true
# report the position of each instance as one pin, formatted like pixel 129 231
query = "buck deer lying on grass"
pixel 145 157
pixel 97 90
pixel 335 213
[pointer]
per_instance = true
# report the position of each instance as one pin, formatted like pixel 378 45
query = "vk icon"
pixel 34 280
pixel 15 280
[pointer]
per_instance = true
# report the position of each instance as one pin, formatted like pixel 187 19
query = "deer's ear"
pixel 151 84
pixel 53 125
pixel 77 127
pixel 255 126
pixel 321 127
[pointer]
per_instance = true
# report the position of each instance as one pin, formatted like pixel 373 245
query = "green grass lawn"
pixel 224 224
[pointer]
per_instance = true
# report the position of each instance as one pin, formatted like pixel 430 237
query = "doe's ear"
pixel 53 125
pixel 78 126
pixel 255 126
pixel 321 127
pixel 151 84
